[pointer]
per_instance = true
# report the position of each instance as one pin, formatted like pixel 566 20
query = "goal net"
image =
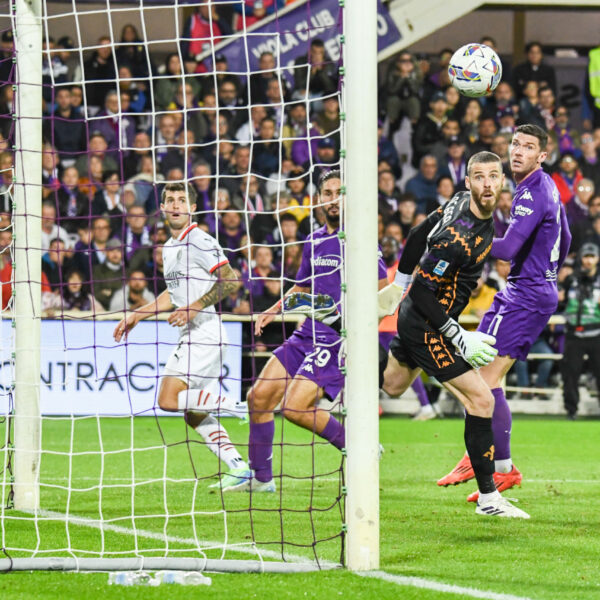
pixel 241 101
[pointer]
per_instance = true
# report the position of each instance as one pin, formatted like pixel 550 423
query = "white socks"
pixel 483 498
pixel 218 442
pixel 196 400
pixel 503 466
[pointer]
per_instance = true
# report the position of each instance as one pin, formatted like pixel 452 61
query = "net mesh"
pixel 238 100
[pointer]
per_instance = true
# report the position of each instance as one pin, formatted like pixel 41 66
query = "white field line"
pixel 246 548
pixel 436 586
pixel 415 582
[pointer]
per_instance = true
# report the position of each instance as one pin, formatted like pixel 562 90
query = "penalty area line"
pixel 436 586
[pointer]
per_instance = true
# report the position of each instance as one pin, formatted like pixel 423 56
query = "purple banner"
pixel 289 35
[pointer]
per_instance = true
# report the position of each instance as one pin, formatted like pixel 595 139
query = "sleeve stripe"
pixel 225 262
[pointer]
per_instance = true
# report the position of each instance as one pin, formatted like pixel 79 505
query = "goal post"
pixel 27 244
pixel 362 435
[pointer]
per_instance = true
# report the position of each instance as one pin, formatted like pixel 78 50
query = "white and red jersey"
pixel 190 262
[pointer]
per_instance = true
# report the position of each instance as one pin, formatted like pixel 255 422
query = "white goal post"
pixel 359 166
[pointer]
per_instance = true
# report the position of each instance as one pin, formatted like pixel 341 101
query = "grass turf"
pixel 426 531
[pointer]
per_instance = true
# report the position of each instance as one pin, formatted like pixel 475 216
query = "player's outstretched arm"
pixel 161 303
pixel 227 283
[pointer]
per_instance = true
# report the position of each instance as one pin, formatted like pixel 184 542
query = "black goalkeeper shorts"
pixel 418 345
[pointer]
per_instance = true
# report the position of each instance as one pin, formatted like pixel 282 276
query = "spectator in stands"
pixel 257 86
pixel 166 85
pixel 232 105
pixel 131 52
pixel 135 234
pixel 76 294
pixel 201 180
pixel 502 213
pixel 486 131
pixel 50 178
pixel 388 194
pixel 182 155
pixel 470 121
pixel 579 300
pixel 327 156
pixel 578 206
pixel 108 200
pixel 481 298
pixel 591 106
pixel 90 249
pixel 142 146
pixel 72 204
pixel 506 120
pixel 6 180
pixel 529 111
pixel 454 163
pixel 429 128
pixel 295 126
pixel 249 198
pixel 299 200
pixel 97 147
pixel 231 230
pixel 203 28
pixel 250 12
pixel 54 71
pixel 547 106
pixel 186 108
pixel 568 138
pixel 67 128
pixel 589 163
pixel 502 98
pixel 108 277
pixel 137 94
pixel 583 229
pixel 117 128
pixel 386 151
pixel 450 131
pixel 550 164
pixel 100 68
pixel 498 277
pixel 500 146
pixel 50 230
pixel 315 75
pixel 267 149
pixel 567 177
pixel 533 69
pixel 328 120
pixel 455 103
pixel 445 191
pixel 56 263
pixel 154 270
pixel 133 295
pixel 423 184
pixel 407 209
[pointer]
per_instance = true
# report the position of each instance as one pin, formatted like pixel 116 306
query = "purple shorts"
pixel 314 356
pixel 515 328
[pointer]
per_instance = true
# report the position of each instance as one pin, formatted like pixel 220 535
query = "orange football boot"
pixel 462 472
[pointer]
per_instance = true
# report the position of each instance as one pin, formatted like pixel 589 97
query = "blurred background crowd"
pixel 254 147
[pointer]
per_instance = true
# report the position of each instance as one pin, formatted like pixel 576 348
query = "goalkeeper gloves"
pixel 475 347
pixel 389 297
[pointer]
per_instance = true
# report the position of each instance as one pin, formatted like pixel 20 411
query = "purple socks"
pixel 419 389
pixel 501 425
pixel 260 449
pixel 334 433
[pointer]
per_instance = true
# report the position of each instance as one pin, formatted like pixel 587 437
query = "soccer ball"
pixel 475 70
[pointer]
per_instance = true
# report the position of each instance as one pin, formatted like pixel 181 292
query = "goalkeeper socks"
pixel 501 426
pixel 260 450
pixel 334 433
pixel 479 441
pixel 218 442
pixel 419 389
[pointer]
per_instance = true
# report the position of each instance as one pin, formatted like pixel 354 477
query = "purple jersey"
pixel 321 270
pixel 536 216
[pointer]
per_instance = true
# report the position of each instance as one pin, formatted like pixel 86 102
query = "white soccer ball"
pixel 475 70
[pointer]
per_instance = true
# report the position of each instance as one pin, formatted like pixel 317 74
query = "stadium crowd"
pixel 253 149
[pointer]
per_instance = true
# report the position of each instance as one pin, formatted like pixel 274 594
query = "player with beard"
pixel 536 243
pixel 450 247
pixel 306 367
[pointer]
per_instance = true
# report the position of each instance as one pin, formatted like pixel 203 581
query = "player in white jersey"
pixel 198 276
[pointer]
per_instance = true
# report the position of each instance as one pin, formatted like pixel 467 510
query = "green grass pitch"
pixel 426 531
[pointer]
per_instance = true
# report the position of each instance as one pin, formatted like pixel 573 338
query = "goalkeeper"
pixel 450 247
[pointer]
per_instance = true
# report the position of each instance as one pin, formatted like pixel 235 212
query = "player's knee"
pixel 483 404
pixel 293 413
pixel 166 402
pixel 259 397
pixel 393 383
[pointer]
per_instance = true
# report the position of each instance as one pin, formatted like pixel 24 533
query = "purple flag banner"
pixel 289 33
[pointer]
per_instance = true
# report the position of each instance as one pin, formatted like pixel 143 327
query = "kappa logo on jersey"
pixel 526 195
pixel 441 267
pixel 523 211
